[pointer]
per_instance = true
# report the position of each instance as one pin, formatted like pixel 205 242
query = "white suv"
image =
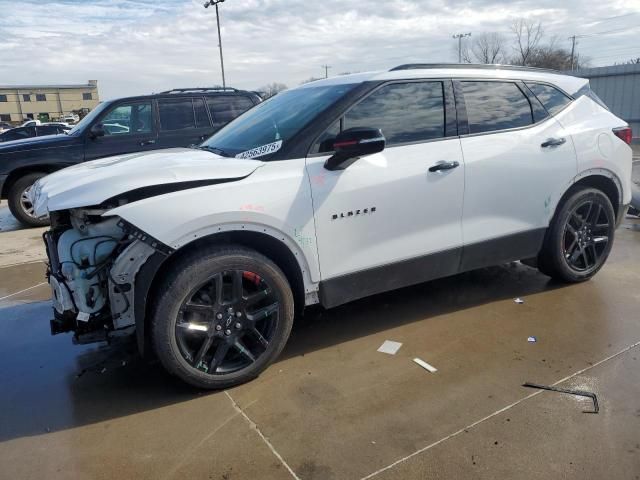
pixel 327 193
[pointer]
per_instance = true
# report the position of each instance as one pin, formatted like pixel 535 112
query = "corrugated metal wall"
pixel 619 87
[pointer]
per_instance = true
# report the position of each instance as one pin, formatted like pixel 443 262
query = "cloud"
pixel 140 46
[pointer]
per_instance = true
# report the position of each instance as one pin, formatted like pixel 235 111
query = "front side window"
pixel 552 98
pixel 405 112
pixel 176 114
pixel 495 106
pixel 130 119
pixel 268 126
pixel 225 108
pixel 19 133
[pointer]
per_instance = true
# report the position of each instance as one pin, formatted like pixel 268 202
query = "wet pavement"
pixel 332 407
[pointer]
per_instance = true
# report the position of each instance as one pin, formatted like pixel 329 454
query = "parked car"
pixel 30 123
pixel 177 118
pixel 21 133
pixel 328 193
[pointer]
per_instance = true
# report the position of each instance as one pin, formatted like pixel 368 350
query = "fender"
pixel 604 172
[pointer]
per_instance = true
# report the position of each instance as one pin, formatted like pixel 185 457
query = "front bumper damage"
pixel 93 265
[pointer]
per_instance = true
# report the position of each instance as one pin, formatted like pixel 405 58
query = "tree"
pixel 528 36
pixel 633 61
pixel 272 89
pixel 486 48
pixel 309 80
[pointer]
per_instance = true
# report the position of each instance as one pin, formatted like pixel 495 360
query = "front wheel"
pixel 579 238
pixel 20 203
pixel 221 317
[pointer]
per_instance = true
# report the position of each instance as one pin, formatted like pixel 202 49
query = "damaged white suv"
pixel 327 193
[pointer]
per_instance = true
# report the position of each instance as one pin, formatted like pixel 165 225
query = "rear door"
pixel 518 163
pixel 182 122
pixel 128 127
pixel 224 108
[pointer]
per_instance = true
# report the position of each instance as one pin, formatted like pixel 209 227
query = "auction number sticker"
pixel 262 150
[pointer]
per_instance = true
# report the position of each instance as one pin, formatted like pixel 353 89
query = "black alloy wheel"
pixel 227 322
pixel 586 235
pixel 221 315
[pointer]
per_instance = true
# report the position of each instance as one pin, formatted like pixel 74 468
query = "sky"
pixel 141 46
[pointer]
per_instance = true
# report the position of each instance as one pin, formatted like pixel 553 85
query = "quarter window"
pixel 176 114
pixel 405 112
pixel 129 119
pixel 552 98
pixel 225 108
pixel 495 106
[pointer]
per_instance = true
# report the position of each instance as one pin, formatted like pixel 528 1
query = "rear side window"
pixel 552 98
pixel 225 108
pixel 495 106
pixel 176 114
pixel 48 130
pixel 405 112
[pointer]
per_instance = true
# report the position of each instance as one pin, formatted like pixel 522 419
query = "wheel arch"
pixel 148 279
pixel 20 172
pixel 605 181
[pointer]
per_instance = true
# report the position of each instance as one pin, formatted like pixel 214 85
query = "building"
pixel 619 87
pixel 46 102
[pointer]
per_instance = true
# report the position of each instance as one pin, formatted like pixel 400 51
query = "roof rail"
pixel 483 66
pixel 201 90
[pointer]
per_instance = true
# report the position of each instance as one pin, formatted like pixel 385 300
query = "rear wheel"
pixel 222 317
pixel 20 203
pixel 580 237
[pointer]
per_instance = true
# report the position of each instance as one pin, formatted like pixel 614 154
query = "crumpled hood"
pixel 91 183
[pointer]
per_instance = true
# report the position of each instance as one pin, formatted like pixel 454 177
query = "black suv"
pixel 176 118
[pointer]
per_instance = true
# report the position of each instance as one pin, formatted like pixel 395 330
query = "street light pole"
pixel 460 36
pixel 207 5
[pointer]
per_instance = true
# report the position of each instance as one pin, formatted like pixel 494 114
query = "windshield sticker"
pixel 260 151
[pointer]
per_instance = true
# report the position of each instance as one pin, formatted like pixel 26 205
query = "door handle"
pixel 554 142
pixel 147 142
pixel 444 166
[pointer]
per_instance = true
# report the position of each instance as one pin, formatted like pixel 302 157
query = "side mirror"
pixel 354 143
pixel 97 131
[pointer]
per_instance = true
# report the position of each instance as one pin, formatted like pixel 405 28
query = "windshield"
pixel 88 119
pixel 267 127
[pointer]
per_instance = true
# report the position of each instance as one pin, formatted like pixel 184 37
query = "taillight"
pixel 624 134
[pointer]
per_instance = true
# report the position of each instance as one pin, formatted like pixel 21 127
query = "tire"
pixel 579 238
pixel 190 301
pixel 18 207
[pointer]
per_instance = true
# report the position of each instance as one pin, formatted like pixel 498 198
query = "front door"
pixel 387 221
pixel 128 128
pixel 519 161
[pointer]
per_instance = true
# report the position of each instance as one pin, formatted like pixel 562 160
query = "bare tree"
pixel 489 48
pixel 309 80
pixel 528 36
pixel 272 89
pixel 633 61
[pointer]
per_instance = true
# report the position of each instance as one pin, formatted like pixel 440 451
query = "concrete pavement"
pixel 332 407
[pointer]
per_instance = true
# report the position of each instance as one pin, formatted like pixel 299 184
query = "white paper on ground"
pixel 425 365
pixel 390 347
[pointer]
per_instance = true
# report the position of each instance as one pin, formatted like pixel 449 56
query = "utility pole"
pixel 573 50
pixel 460 36
pixel 326 70
pixel 207 5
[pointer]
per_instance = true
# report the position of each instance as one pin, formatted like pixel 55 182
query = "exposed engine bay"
pixel 93 264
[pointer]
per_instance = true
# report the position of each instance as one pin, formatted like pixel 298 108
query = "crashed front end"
pixel 93 263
